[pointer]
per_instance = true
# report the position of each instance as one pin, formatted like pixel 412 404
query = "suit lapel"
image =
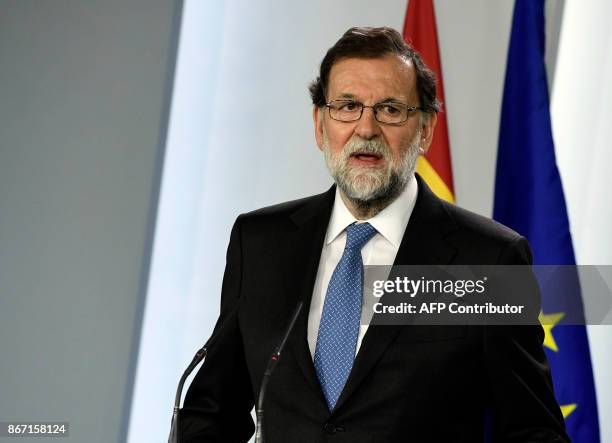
pixel 423 243
pixel 311 222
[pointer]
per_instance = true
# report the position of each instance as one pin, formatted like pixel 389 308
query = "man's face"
pixel 371 160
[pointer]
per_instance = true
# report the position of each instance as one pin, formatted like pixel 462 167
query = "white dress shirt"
pixel 390 224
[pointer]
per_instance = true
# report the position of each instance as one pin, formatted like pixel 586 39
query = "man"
pixel 339 381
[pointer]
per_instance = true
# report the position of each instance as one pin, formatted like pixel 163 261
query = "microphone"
pixel 197 358
pixel 274 358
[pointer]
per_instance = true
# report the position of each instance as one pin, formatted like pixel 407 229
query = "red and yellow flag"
pixel 420 31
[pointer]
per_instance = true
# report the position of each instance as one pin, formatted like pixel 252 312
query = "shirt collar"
pixel 391 222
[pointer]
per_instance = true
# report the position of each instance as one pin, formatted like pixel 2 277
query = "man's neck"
pixel 363 210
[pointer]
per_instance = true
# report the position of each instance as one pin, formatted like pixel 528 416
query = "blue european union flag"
pixel 529 198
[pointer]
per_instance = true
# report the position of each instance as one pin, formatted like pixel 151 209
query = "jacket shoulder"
pixel 479 225
pixel 287 213
pixel 283 209
pixel 487 240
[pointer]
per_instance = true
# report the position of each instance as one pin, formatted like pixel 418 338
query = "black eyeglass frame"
pixel 374 107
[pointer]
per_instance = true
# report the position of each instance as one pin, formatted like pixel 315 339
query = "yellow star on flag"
pixel 548 322
pixel 568 409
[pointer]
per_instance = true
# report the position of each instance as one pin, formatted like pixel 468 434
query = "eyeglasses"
pixel 388 113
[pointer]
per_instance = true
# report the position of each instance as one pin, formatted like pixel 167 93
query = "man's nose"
pixel 367 126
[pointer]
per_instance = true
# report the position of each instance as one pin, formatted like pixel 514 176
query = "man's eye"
pixel 390 109
pixel 349 106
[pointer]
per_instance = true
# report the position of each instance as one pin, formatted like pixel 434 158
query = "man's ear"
pixel 317 117
pixel 427 131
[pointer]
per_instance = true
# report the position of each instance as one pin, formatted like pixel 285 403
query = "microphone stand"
pixel 201 354
pixel 274 359
pixel 174 436
pixel 198 357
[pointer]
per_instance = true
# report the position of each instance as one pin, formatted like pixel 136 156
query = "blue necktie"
pixel 339 328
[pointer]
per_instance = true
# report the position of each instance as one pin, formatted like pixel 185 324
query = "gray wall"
pixel 84 89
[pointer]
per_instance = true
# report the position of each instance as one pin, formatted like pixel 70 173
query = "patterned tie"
pixel 339 328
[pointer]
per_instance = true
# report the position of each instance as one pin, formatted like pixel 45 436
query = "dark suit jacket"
pixel 408 383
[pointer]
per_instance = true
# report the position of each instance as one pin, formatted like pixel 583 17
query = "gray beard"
pixel 371 189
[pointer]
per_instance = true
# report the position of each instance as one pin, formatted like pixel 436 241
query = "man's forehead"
pixel 393 75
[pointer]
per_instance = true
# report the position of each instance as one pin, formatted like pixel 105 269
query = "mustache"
pixel 361 146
